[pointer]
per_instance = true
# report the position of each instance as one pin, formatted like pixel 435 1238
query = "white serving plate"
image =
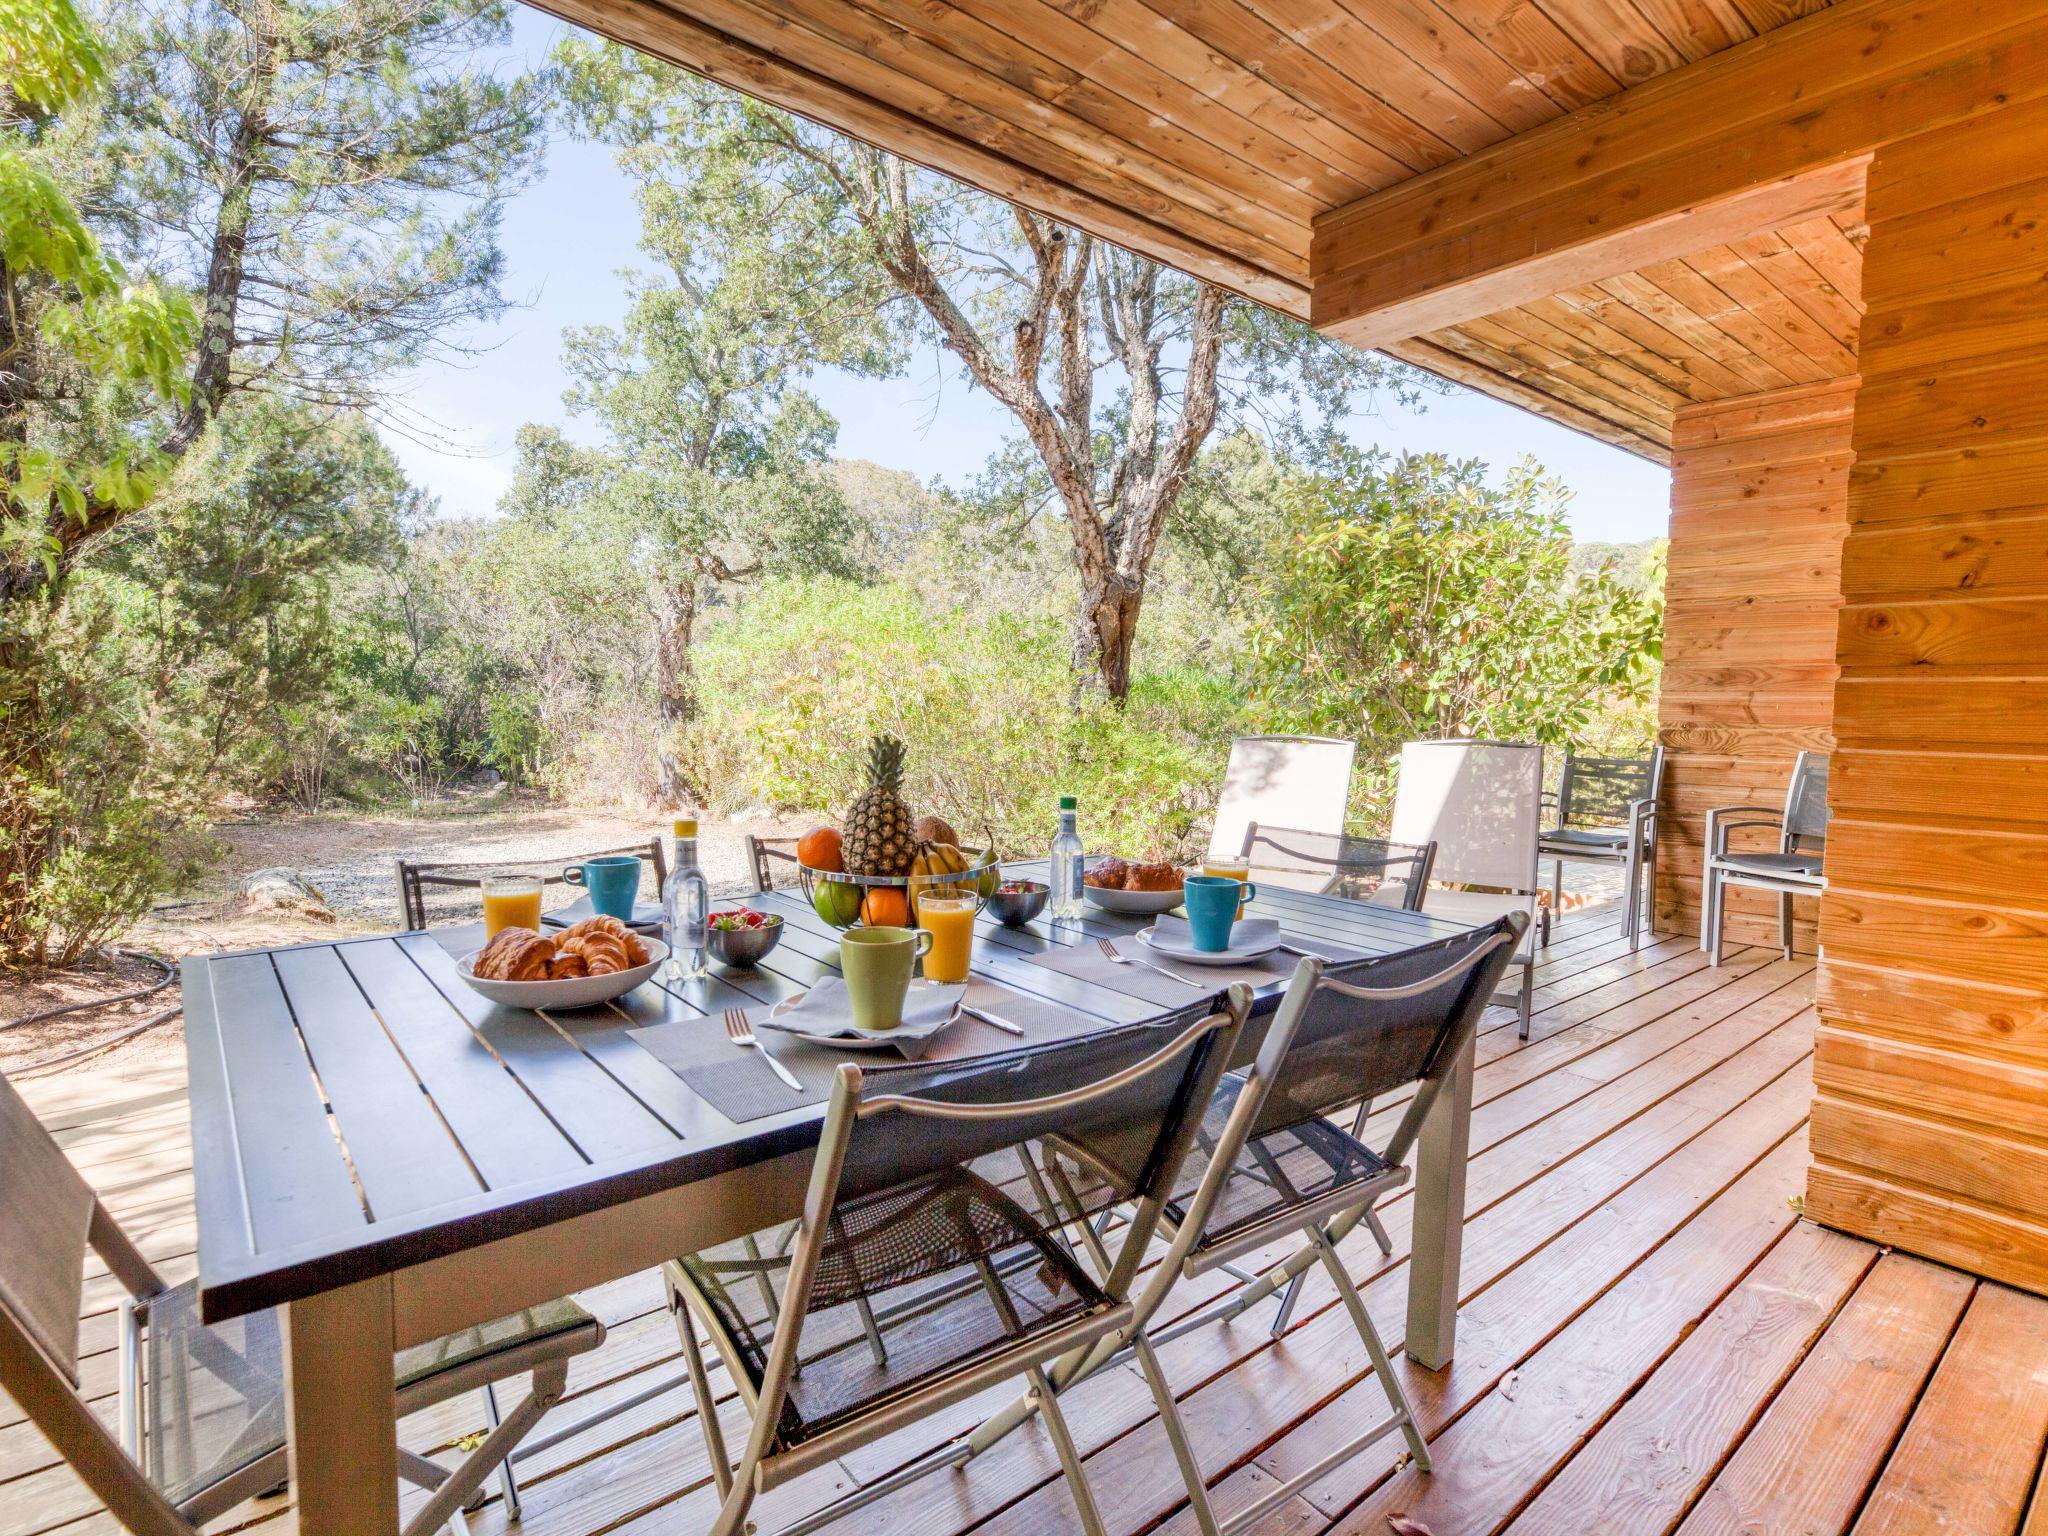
pixel 1132 903
pixel 570 992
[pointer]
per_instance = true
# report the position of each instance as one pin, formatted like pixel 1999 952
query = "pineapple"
pixel 878 832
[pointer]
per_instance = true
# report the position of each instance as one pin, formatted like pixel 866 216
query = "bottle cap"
pixel 1066 802
pixel 686 826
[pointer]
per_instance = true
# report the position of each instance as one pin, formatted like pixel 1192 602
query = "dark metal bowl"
pixel 743 948
pixel 1016 908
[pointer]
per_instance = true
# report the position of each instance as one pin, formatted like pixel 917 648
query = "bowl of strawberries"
pixel 741 936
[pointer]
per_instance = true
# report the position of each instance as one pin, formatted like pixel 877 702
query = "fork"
pixel 742 1033
pixel 1109 952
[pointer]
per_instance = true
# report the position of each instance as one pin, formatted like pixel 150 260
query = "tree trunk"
pixel 1110 604
pixel 675 687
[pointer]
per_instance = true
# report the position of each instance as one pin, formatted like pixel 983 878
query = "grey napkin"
pixel 825 1013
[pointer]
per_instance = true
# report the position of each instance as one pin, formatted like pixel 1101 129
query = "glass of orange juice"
pixel 511 901
pixel 947 911
pixel 1230 869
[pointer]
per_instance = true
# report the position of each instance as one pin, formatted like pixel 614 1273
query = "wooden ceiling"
pixel 1211 133
pixel 1617 358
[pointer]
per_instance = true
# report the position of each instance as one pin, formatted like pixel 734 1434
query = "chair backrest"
pixel 415 877
pixel 1132 1097
pixel 1480 802
pixel 50 1217
pixel 1806 803
pixel 1599 791
pixel 1359 1030
pixel 1284 781
pixel 765 853
pixel 1331 864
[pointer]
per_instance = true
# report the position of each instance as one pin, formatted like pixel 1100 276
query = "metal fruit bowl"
pixel 743 948
pixel 838 898
pixel 1014 909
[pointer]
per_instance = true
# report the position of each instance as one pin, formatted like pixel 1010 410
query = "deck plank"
pixel 1967 1461
pixel 1647 1464
pixel 1813 1456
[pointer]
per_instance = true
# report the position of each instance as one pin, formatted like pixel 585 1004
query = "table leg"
pixel 341 1411
pixel 1437 1239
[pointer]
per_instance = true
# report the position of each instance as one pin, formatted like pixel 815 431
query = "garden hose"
pixel 170 974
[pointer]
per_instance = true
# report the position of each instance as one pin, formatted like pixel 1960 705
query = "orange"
pixel 819 849
pixel 886 907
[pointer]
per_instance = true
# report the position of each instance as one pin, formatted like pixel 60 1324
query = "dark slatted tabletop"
pixel 357 1109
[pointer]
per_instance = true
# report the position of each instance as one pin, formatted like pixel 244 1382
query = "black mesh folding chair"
pixel 202 1408
pixel 1268 1163
pixel 416 879
pixel 927 1266
pixel 1607 814
pixel 1368 869
pixel 1794 868
pixel 769 856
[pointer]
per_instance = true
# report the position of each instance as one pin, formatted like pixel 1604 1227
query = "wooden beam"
pixel 1763 134
pixel 669 34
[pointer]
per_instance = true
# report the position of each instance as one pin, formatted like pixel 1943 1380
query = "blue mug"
pixel 1211 902
pixel 613 882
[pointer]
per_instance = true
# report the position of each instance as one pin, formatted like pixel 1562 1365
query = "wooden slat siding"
pixel 1759 490
pixel 1814 1454
pixel 1968 1458
pixel 1934 986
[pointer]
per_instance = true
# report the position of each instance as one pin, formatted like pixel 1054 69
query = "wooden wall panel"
pixel 1930 1125
pixel 1759 508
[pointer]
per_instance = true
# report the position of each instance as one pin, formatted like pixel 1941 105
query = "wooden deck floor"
pixel 1651 1339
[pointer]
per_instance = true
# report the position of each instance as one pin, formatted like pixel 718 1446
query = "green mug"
pixel 877 964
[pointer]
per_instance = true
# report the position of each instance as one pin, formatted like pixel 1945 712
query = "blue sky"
pixel 567 236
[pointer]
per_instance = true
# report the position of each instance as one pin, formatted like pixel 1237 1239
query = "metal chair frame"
pixel 1634 845
pixel 764 853
pixel 763 1466
pixel 1323 1221
pixel 44 1381
pixel 1419 858
pixel 1797 834
pixel 413 877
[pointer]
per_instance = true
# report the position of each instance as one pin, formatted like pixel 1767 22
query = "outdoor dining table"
pixel 389 1158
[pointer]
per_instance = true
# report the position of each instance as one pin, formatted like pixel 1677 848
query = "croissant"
pixel 515 954
pixel 630 942
pixel 567 965
pixel 601 952
pixel 1109 875
pixel 1152 877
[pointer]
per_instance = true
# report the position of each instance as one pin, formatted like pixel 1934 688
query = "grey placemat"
pixel 741 1087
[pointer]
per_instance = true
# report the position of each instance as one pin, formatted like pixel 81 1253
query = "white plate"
pixel 1132 903
pixel 1237 954
pixel 571 991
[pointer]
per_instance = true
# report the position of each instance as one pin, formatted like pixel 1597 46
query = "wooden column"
pixel 1759 508
pixel 1930 1129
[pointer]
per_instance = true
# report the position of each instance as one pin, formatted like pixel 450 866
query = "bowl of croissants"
pixel 597 960
pixel 1132 886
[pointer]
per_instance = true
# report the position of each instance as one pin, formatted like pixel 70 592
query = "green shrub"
pixel 803 673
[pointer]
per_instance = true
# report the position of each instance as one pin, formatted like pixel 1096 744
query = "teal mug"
pixel 1212 903
pixel 613 882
